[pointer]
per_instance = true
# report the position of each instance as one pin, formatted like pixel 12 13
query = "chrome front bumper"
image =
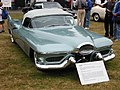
pixel 109 57
pixel 66 63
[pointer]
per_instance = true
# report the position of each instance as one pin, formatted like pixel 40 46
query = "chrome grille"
pixel 54 59
pixel 104 52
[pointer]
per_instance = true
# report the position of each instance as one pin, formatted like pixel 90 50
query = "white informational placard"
pixel 92 72
pixel 6 3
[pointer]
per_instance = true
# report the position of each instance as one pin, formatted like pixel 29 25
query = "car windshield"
pixel 52 21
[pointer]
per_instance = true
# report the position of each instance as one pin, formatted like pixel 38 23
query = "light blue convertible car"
pixel 52 38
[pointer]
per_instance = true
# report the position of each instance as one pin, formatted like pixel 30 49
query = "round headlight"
pixel 86 50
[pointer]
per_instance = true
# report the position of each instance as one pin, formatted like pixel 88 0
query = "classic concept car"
pixel 52 38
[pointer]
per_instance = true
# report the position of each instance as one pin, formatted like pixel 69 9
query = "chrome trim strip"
pixel 85 43
pixel 59 66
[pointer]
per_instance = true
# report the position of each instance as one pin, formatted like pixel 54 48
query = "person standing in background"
pixel 87 15
pixel 81 12
pixel 61 2
pixel 27 2
pixel 1 20
pixel 108 22
pixel 68 3
pixel 116 26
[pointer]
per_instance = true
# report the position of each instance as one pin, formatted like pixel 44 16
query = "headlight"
pixel 86 52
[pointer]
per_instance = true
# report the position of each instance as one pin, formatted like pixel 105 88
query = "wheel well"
pixel 31 54
pixel 94 14
pixel 9 31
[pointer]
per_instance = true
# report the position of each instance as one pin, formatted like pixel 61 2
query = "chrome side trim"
pixel 85 43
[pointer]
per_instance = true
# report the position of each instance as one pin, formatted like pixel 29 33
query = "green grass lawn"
pixel 17 71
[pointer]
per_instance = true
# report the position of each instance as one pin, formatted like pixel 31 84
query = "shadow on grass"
pixel 66 73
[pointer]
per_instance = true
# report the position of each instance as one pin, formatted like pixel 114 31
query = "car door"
pixel 22 33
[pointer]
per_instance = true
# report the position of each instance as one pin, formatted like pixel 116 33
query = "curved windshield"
pixel 52 21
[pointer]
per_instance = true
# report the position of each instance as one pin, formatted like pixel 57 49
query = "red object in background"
pixel 69 3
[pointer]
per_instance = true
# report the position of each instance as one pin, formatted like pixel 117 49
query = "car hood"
pixel 55 39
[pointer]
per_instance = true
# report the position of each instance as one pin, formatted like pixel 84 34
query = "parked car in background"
pixel 42 5
pixel 98 13
pixel 52 38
